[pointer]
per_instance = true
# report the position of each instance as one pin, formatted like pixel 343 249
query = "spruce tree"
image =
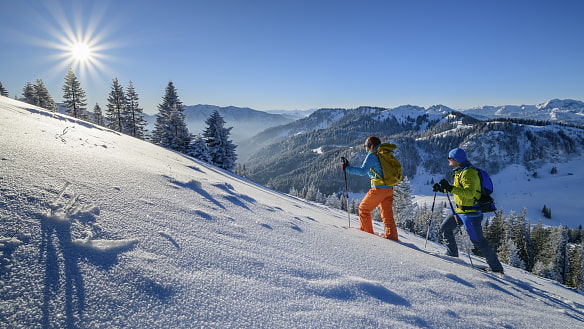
pixel 134 117
pixel 170 129
pixel 333 201
pixel 98 117
pixel 302 193
pixel 577 235
pixel 310 193
pixel 28 94
pixel 38 95
pixel 240 170
pixel 354 206
pixel 426 222
pixel 576 275
pixel 539 237
pixel 216 136
pixel 495 233
pixel 562 259
pixel 319 196
pixel 521 237
pixel 509 254
pixel 552 259
pixel 43 98
pixel 439 216
pixel 199 150
pixel 547 212
pixel 3 91
pixel 116 107
pixel 404 208
pixel 343 200
pixel 74 96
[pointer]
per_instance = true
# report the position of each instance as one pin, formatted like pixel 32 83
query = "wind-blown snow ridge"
pixel 142 237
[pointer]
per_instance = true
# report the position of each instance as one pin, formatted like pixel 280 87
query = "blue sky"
pixel 302 54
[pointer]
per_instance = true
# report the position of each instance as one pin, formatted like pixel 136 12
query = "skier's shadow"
pixel 56 242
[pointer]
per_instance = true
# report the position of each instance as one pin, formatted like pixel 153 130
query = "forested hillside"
pixel 307 152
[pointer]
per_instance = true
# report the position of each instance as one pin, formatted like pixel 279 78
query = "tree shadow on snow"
pixel 236 201
pixel 459 280
pixel 528 290
pixel 195 187
pixel 203 215
pixel 155 289
pixel 383 294
pixel 234 197
pixel 356 289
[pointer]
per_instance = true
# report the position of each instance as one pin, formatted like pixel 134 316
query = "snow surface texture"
pixel 101 230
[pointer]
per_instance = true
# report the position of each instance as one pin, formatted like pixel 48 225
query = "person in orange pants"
pixel 378 195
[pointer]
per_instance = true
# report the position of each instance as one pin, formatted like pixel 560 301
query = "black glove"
pixel 436 188
pixel 345 163
pixel 445 186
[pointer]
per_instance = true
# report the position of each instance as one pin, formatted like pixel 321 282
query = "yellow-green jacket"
pixel 466 188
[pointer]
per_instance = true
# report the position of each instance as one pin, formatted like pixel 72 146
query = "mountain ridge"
pixel 254 128
pixel 560 110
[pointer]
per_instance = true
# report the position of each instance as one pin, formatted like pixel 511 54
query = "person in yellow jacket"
pixel 466 190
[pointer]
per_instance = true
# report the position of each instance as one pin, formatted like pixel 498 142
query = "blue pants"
pixel 472 223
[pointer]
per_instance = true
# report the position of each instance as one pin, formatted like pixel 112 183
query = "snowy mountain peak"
pixel 408 108
pixel 439 110
pixel 562 105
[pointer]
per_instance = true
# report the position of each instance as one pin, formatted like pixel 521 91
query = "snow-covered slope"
pixel 101 230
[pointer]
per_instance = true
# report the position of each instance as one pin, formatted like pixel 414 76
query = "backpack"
pixel 485 203
pixel 392 169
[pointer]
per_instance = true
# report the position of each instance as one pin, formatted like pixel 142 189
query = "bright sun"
pixel 81 52
pixel 78 42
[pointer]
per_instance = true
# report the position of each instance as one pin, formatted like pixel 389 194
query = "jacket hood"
pixel 386 146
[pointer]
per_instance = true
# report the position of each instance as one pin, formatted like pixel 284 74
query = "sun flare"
pixel 79 37
pixel 81 52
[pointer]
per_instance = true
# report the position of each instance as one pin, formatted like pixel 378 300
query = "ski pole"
pixel 461 234
pixel 345 161
pixel 430 220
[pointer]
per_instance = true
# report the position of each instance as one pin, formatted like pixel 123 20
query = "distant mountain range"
pixel 246 122
pixel 561 110
pixel 253 129
pixel 307 150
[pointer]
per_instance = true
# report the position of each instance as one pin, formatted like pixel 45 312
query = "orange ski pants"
pixel 382 197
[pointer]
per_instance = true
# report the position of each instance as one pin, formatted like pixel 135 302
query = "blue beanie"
pixel 457 155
